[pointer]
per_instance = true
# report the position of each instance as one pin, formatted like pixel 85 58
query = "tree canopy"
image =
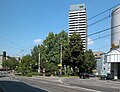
pixel 74 58
pixel 10 63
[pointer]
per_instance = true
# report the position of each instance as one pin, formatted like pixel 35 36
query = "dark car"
pixel 103 77
pixel 84 75
pixel 108 77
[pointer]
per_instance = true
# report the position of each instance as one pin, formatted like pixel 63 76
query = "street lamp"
pixel 40 43
pixel 61 58
pixel 39 62
pixel 60 65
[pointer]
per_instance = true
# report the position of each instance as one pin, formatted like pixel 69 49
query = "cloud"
pixel 38 41
pixel 90 41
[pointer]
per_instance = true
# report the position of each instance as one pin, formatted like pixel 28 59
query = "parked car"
pixel 1 74
pixel 92 75
pixel 103 77
pixel 84 75
pixel 108 77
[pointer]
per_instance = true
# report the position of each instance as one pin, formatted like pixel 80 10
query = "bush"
pixel 18 74
pixel 29 75
pixel 40 74
pixel 48 74
pixel 65 75
pixel 35 73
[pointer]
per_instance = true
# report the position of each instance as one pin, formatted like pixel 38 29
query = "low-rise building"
pixel 102 67
pixel 1 59
pixel 113 57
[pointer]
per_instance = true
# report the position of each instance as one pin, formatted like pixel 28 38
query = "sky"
pixel 25 23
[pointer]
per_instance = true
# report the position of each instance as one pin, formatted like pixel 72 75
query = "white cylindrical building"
pixel 115 27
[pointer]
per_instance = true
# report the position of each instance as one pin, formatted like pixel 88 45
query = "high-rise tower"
pixel 78 22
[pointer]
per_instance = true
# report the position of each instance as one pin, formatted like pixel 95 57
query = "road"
pixel 41 84
pixel 95 84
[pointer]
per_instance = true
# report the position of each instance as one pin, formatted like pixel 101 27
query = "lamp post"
pixel 39 62
pixel 61 59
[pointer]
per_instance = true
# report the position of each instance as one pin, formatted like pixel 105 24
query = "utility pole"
pixel 39 62
pixel 61 58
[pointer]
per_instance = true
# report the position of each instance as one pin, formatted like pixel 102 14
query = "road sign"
pixel 60 65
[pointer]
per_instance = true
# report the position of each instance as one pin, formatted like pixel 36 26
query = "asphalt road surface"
pixel 53 86
pixel 13 86
pixel 24 84
pixel 94 84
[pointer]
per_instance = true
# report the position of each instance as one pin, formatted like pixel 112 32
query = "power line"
pixel 105 36
pixel 88 25
pixel 89 35
pixel 98 21
pixel 103 30
pixel 102 19
pixel 25 49
pixel 10 41
pixel 102 12
pixel 14 44
pixel 101 47
pixel 101 37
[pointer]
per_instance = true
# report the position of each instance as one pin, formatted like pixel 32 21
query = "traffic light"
pixel 4 53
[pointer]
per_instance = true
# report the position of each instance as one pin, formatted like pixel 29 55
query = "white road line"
pixel 98 84
pixel 67 86
pixel 43 82
pixel 39 81
pixel 115 87
pixel 80 88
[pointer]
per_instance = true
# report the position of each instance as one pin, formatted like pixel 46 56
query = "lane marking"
pixel 115 87
pixel 67 86
pixel 39 81
pixel 75 87
pixel 48 79
pixel 38 86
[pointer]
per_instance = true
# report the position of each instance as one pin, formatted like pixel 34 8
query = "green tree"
pixel 11 63
pixel 53 43
pixel 5 64
pixel 76 52
pixel 49 51
pixel 90 62
pixel 34 56
pixel 73 55
pixel 25 65
pixel 43 56
pixel 52 50
pixel 72 52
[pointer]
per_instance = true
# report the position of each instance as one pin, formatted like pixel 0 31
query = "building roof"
pixel 98 54
pixel 113 56
pixel 115 9
pixel 114 51
pixel 76 7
